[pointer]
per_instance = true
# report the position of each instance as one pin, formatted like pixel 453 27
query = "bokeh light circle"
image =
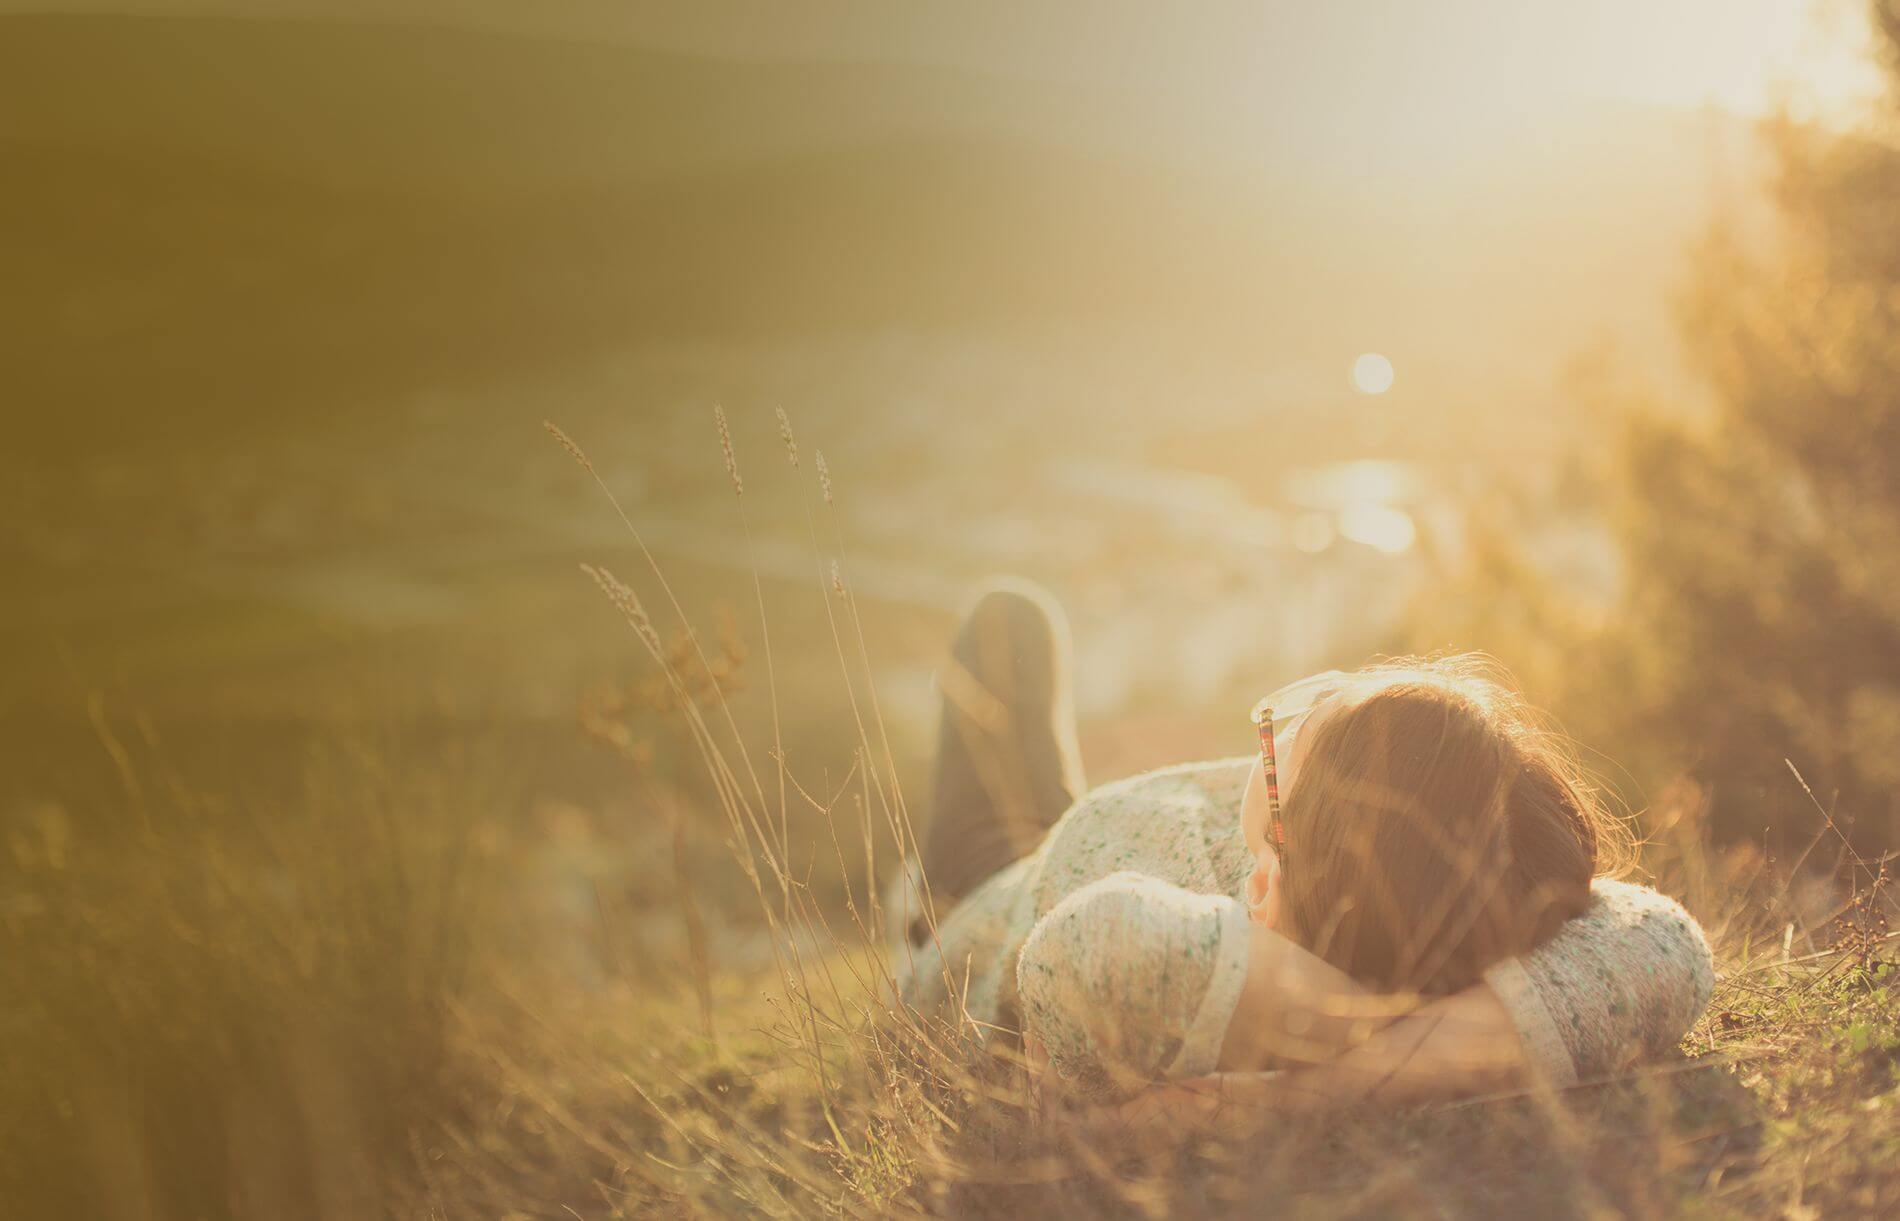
pixel 1372 374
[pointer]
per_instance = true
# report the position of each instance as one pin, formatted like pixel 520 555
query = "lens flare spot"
pixel 1378 526
pixel 1372 374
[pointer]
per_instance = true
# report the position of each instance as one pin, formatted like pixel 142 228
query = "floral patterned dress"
pixel 1121 943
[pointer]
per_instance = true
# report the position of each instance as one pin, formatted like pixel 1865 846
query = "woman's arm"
pixel 1296 1009
pixel 1622 982
pixel 1131 980
pixel 1452 1048
pixel 1116 978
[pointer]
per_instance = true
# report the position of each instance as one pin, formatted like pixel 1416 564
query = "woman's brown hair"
pixel 1437 828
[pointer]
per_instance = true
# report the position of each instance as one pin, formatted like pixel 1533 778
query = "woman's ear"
pixel 1263 890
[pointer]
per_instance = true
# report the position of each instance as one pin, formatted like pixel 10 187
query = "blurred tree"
pixel 1758 618
pixel 1762 544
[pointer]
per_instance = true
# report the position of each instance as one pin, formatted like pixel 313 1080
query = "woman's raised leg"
pixel 1007 760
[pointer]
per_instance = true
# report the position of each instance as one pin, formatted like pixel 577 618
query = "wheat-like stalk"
pixel 785 435
pixel 567 443
pixel 857 1023
pixel 628 603
pixel 722 768
pixel 725 446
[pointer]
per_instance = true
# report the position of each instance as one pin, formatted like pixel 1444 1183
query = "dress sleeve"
pixel 1621 982
pixel 1131 980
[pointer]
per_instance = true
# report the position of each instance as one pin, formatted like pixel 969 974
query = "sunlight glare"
pixel 1313 532
pixel 1381 527
pixel 1372 374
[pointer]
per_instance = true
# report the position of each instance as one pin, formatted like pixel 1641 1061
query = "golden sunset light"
pixel 624 608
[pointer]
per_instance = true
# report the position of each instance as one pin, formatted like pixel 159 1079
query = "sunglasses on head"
pixel 1282 712
pixel 1276 830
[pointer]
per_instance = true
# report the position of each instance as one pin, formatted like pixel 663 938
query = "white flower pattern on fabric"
pixel 1131 980
pixel 1121 943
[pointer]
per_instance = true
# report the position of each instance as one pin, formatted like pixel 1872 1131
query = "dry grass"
pixel 347 1005
pixel 848 1103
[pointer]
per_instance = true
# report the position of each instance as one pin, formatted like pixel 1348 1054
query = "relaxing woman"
pixel 1408 906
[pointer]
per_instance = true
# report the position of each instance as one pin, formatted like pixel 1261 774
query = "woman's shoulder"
pixel 1215 778
pixel 1165 822
pixel 1212 789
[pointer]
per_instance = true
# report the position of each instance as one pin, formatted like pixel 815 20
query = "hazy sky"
pixel 1462 55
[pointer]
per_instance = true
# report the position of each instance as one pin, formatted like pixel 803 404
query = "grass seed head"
pixel 567 443
pixel 785 434
pixel 622 596
pixel 725 445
